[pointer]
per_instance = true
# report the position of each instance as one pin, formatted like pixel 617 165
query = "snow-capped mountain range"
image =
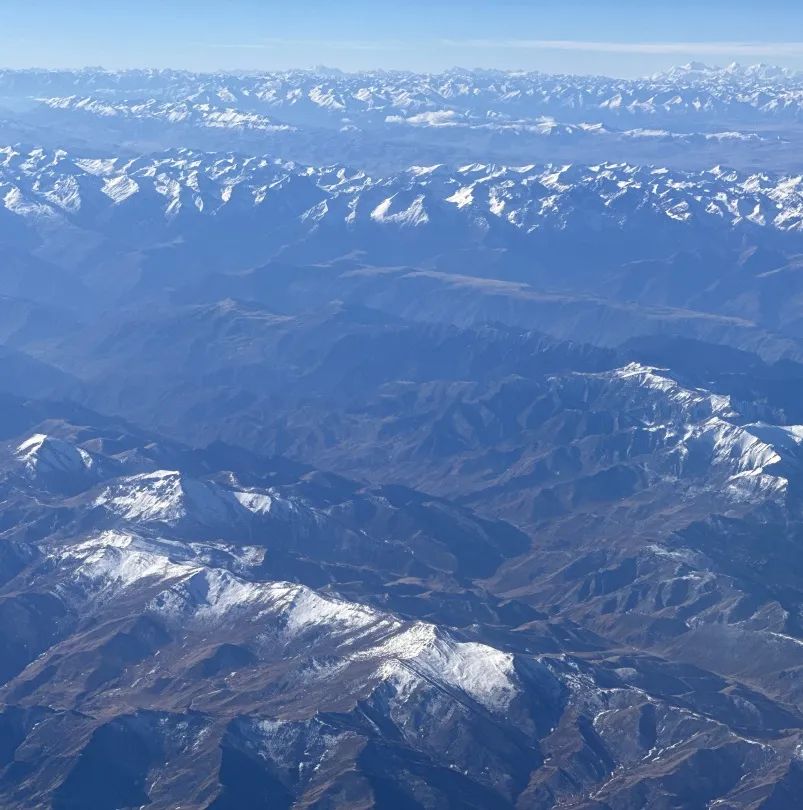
pixel 39 183
pixel 393 440
pixel 693 90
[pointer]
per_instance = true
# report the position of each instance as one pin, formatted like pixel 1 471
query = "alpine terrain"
pixel 397 440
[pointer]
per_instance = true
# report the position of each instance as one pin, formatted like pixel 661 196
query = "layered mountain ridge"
pixel 691 117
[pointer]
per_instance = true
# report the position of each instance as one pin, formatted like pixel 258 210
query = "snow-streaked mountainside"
pixel 203 115
pixel 702 434
pixel 39 183
pixel 226 639
pixel 408 654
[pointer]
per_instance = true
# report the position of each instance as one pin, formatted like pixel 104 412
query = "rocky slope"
pixel 167 618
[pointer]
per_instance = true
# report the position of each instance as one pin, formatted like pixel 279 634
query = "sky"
pixel 615 37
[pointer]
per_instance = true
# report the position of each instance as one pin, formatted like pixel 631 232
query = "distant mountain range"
pixel 691 117
pixel 693 91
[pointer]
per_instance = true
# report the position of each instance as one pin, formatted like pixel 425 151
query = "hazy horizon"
pixel 622 39
pixel 453 68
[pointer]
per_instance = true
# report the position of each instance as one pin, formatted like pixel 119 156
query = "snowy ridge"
pixel 200 114
pixel 205 115
pixel 691 400
pixel 42 453
pixel 705 428
pixel 170 497
pixel 548 127
pixel 192 593
pixel 207 585
pixel 165 496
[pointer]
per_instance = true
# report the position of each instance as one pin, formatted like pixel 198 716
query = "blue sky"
pixel 619 37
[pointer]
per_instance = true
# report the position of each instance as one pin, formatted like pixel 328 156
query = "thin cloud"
pixel 273 43
pixel 652 48
pixel 733 50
